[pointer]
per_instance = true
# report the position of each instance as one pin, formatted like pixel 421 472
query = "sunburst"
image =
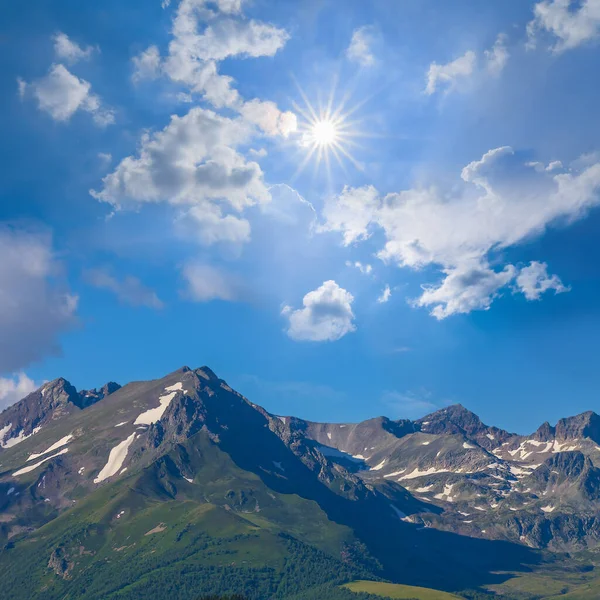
pixel 327 131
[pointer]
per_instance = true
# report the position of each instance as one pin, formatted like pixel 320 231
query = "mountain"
pixel 182 486
pixel 51 401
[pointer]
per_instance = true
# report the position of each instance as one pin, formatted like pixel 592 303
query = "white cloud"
pixel 61 94
pixel 497 57
pixel 364 269
pixel 360 48
pixel 129 290
pixel 229 38
pixel 464 289
pixel 467 67
pixel 192 163
pixel 572 23
pixel 35 304
pixel 105 158
pixel 15 388
pixel 386 294
pixel 451 73
pixel 269 118
pixel 147 64
pixel 352 212
pixel 69 51
pixel 534 280
pixel 327 315
pixel 502 203
pixel 193 54
pixel 205 283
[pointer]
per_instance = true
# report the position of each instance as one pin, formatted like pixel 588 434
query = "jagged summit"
pixel 51 401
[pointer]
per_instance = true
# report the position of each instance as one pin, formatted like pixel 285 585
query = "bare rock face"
pixel 585 425
pixel 59 563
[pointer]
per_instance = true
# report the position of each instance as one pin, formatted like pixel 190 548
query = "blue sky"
pixel 157 207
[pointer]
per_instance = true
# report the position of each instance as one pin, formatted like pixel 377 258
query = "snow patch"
pixel 335 453
pixel 380 465
pixel 278 465
pixel 189 480
pixel 9 443
pixel 81 471
pixel 548 509
pixel 329 435
pixel 430 471
pixel 490 436
pixel 424 489
pixel 116 458
pixel 468 446
pixel 395 473
pixel 37 464
pixel 10 491
pixel 121 424
pixel 62 442
pixel 175 387
pixel 446 494
pixel 3 433
pixel 154 414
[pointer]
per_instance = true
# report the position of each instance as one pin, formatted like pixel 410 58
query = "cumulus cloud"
pixel 269 118
pixel 326 315
pixel 61 94
pixel 129 289
pixel 146 65
pixel 386 294
pixel 192 163
pixel 205 283
pixel 503 202
pixel 352 213
pixel 570 22
pixel 450 73
pixel 458 72
pixel 464 289
pixel 69 51
pixel 203 34
pixel 534 280
pixel 15 388
pixel 360 48
pixel 35 304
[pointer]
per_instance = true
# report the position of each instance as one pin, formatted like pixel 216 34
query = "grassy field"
pixel 394 590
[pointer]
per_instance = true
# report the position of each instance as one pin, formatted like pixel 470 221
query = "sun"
pixel 324 133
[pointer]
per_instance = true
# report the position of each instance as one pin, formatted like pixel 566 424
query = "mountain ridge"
pixel 447 476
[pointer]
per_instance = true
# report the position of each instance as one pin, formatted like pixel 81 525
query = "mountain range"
pixel 182 486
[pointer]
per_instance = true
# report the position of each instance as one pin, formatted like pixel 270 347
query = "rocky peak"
pixel 206 373
pixel 50 402
pixel 585 425
pixel 453 419
pixel 88 397
pixel 544 433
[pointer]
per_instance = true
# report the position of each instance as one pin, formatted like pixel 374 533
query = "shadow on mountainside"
pixel 408 553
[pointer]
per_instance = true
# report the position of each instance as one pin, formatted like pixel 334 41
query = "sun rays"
pixel 325 132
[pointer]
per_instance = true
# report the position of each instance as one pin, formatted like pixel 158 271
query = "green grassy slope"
pixel 393 590
pixel 156 535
